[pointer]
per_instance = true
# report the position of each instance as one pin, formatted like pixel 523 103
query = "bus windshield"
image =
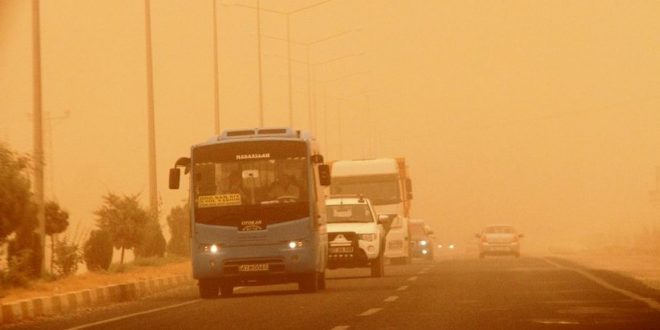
pixel 380 189
pixel 265 180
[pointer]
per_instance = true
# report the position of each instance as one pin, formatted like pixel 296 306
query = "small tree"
pixel 67 257
pixel 97 251
pixel 179 223
pixel 57 220
pixel 124 219
pixel 152 242
pixel 16 208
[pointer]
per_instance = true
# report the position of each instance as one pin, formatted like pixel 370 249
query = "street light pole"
pixel 288 55
pixel 38 132
pixel 261 96
pixel 153 185
pixel 216 97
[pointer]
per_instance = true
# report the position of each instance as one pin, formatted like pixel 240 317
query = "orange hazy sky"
pixel 543 114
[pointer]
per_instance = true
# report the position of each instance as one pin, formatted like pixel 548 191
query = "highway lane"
pixel 495 293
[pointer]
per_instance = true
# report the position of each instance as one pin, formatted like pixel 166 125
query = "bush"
pixel 26 253
pixel 179 223
pixel 16 274
pixel 152 242
pixel 66 258
pixel 97 251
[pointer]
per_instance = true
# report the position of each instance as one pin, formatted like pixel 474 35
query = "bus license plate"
pixel 253 268
pixel 341 249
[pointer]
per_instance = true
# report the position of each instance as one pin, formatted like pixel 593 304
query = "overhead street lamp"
pixel 308 46
pixel 287 15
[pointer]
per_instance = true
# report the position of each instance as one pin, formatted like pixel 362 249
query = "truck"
pixel 258 214
pixel 386 182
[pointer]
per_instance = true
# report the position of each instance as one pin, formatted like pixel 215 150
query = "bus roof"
pixel 365 167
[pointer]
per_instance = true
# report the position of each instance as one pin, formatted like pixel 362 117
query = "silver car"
pixel 499 240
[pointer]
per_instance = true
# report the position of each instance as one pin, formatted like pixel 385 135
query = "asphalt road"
pixel 495 293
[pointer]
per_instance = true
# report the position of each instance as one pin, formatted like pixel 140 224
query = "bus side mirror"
pixel 175 173
pixel 324 174
pixel 409 194
pixel 317 159
pixel 386 220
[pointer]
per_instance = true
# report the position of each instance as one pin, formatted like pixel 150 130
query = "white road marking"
pixel 401 288
pixel 650 302
pixel 371 311
pixel 414 278
pixel 391 298
pixel 114 319
pixel 341 327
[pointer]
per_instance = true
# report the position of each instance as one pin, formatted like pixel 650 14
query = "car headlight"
pixel 367 237
pixel 452 246
pixel 423 243
pixel 210 248
pixel 295 244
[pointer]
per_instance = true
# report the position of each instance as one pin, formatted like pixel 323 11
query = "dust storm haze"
pixel 544 114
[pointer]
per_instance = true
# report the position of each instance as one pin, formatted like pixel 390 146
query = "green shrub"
pixel 152 242
pixel 97 251
pixel 66 257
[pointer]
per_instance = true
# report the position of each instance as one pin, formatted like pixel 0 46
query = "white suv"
pixel 355 235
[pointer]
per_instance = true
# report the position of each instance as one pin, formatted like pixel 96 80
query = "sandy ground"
pixel 91 280
pixel 643 268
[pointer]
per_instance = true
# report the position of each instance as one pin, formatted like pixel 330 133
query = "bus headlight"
pixel 423 243
pixel 367 237
pixel 295 244
pixel 212 248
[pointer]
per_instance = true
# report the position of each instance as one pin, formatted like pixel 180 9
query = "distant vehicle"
pixel 356 237
pixel 386 183
pixel 499 240
pixel 422 243
pixel 257 210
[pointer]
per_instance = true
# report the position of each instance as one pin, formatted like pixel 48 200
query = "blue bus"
pixel 258 217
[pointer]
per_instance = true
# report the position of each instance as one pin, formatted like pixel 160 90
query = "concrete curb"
pixel 67 302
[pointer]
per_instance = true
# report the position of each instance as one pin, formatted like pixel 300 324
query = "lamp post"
pixel 288 40
pixel 153 188
pixel 216 80
pixel 38 141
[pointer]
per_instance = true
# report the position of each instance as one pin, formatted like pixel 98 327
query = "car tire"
pixel 226 290
pixel 309 283
pixel 378 267
pixel 321 281
pixel 208 289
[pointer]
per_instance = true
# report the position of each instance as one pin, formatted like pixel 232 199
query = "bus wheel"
pixel 309 282
pixel 321 284
pixel 226 289
pixel 378 267
pixel 208 289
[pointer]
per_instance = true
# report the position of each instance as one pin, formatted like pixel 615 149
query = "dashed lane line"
pixel 391 298
pixel 652 303
pixel 371 311
pixel 341 327
pixel 414 278
pixel 114 319
pixel 402 288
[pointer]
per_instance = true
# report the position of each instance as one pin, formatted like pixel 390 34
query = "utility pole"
pixel 216 97
pixel 261 95
pixel 38 132
pixel 288 55
pixel 153 188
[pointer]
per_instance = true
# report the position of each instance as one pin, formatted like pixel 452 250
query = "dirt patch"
pixel 92 280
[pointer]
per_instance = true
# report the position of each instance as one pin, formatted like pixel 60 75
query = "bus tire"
pixel 321 280
pixel 309 282
pixel 226 290
pixel 208 289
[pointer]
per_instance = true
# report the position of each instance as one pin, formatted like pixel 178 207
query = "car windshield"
pixel 499 230
pixel 349 213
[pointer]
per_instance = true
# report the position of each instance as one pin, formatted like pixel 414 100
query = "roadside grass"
pixel 138 269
